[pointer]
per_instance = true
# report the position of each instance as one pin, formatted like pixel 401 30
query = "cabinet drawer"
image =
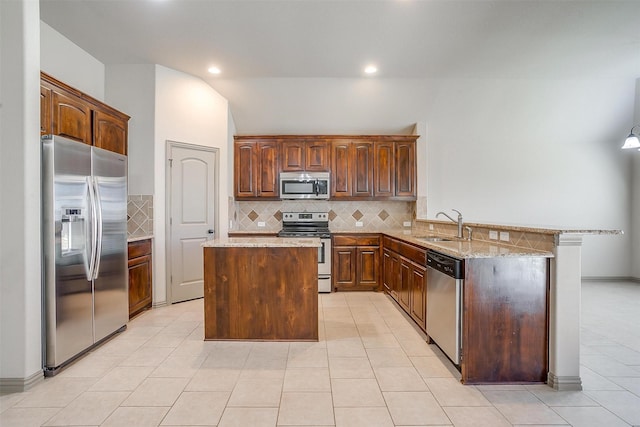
pixel 139 248
pixel 356 240
pixel 415 254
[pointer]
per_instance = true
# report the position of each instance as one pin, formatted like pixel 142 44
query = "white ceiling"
pixel 336 39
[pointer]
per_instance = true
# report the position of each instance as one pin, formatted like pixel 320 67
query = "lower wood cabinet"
pixel 505 311
pixel 140 279
pixel 405 277
pixel 356 262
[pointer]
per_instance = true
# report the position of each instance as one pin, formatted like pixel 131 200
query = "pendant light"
pixel 632 141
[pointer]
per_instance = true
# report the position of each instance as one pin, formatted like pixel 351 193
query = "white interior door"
pixel 192 187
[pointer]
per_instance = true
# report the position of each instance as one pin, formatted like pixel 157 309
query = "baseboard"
pixel 564 383
pixel 610 279
pixel 18 385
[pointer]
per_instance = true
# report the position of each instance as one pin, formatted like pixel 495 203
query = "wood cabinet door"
pixel 405 154
pixel 316 156
pixel 292 155
pixel 341 179
pixel 404 277
pixel 344 267
pixel 245 169
pixel 110 132
pixel 394 280
pixel 387 272
pixel 71 117
pixel 268 169
pixel 418 298
pixel 362 165
pixel 384 169
pixel 140 293
pixel 367 267
pixel 45 110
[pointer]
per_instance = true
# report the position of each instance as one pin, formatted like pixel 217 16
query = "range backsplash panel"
pixel 343 215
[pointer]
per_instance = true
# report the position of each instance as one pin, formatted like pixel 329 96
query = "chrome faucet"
pixel 459 221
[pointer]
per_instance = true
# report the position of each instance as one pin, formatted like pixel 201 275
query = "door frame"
pixel 168 199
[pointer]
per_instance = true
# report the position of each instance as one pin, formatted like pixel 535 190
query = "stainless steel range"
pixel 312 224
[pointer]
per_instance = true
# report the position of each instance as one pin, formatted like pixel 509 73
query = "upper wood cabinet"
pixel 341 160
pixel 109 132
pixel 256 168
pixel 374 168
pixel 362 167
pixel 405 164
pixel 304 155
pixel 67 112
pixel 384 165
pixel 268 169
pixel 71 117
pixel 45 110
pixel 352 167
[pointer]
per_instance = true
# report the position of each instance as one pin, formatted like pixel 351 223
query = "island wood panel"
pixel 505 320
pixel 261 293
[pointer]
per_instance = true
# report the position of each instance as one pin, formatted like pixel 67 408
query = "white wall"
pixel 635 196
pixel 539 152
pixel 65 61
pixel 131 89
pixel 20 294
pixel 186 110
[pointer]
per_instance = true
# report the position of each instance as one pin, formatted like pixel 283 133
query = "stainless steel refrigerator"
pixel 84 230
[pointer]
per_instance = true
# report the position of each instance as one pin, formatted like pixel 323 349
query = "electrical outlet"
pixel 407 223
pixel 262 224
pixel 359 223
pixel 504 236
pixel 430 227
pixel 493 235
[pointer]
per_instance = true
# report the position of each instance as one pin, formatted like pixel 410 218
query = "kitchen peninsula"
pixel 261 289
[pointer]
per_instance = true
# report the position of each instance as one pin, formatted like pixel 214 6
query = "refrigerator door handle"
pixel 98 207
pixel 94 228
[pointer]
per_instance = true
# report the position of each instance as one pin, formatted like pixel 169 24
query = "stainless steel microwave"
pixel 304 185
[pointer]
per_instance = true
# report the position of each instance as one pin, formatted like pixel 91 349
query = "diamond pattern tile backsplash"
pixel 139 215
pixel 343 215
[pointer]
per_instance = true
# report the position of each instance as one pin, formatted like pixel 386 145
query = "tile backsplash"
pixel 343 215
pixel 139 215
pixel 538 240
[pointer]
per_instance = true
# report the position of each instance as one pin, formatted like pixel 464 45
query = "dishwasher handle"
pixel 452 267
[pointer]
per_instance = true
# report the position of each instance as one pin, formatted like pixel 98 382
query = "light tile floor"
pixel 370 368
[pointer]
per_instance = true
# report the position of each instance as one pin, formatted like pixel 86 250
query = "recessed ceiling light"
pixel 214 70
pixel 371 69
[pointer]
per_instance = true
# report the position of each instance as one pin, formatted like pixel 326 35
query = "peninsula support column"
pixel 564 314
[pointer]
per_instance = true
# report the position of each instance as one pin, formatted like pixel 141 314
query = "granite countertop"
pixel 138 238
pixel 458 248
pixel 469 248
pixel 542 229
pixel 263 242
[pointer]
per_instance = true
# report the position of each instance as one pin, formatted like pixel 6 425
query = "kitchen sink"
pixel 434 239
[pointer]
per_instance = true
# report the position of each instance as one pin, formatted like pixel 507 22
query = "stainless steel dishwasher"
pixel 445 283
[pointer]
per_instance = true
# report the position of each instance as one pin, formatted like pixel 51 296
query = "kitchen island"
pixel 261 289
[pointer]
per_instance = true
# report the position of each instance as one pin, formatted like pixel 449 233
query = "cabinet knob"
pixel 210 231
